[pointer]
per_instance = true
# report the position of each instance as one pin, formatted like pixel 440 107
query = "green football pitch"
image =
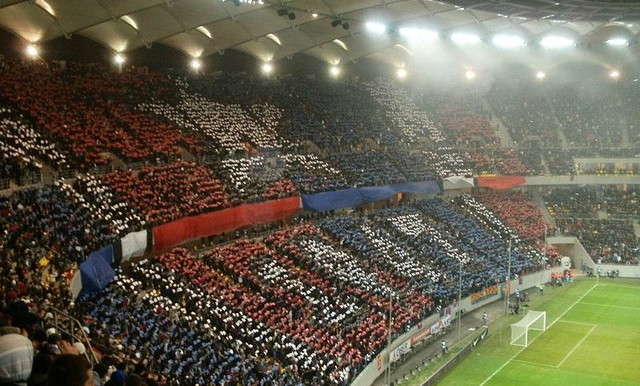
pixel 592 338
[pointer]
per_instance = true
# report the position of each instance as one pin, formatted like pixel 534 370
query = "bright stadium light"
pixel 418 33
pixel 118 59
pixel 374 27
pixel 617 42
pixel 401 73
pixel 614 74
pixel 508 41
pixel 540 75
pixel 465 38
pixel 195 64
pixel 267 68
pixel 557 42
pixel 32 51
pixel 334 70
pixel 470 75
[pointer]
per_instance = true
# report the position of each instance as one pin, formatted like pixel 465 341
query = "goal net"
pixel 533 320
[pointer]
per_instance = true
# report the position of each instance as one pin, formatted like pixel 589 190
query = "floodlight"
pixel 267 68
pixel 556 42
pixel 118 59
pixel 465 38
pixel 614 74
pixel 508 41
pixel 335 71
pixel 540 75
pixel 470 74
pixel 418 33
pixel 617 42
pixel 32 51
pixel 402 73
pixel 195 64
pixel 378 28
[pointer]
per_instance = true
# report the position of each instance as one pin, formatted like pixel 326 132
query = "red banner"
pixel 175 232
pixel 501 182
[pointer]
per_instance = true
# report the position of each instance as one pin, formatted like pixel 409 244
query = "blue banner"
pixel 349 198
pixel 96 273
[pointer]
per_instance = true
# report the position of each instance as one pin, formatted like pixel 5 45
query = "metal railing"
pixel 68 324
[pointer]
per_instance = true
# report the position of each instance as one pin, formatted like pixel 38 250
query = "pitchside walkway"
pixel 468 325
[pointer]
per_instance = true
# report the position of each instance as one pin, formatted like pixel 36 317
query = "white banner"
pixel 76 284
pixel 134 244
pixel 400 351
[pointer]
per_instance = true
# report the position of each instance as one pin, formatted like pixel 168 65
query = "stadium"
pixel 319 192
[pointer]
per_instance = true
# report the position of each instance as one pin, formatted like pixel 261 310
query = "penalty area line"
pixel 576 346
pixel 536 337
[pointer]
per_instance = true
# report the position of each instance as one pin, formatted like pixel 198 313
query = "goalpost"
pixel 534 320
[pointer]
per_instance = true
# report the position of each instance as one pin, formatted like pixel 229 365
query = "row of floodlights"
pixel 499 40
pixel 267 68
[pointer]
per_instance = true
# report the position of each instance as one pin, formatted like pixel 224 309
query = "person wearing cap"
pixel 16 359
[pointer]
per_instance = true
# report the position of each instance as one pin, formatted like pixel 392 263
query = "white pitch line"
pixel 551 324
pixel 534 363
pixel 576 346
pixel 575 322
pixel 612 306
pixel 620 286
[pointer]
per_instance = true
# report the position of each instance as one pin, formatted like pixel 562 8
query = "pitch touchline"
pixel 576 346
pixel 609 305
pixel 536 337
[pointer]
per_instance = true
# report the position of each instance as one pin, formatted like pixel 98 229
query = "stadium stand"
pixel 291 302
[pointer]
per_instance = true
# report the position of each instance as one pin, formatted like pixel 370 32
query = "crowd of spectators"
pixel 311 174
pixel 44 234
pixel 524 108
pixel 589 201
pixel 22 147
pixel 255 178
pixel 85 109
pixel 518 210
pixel 601 218
pixel 591 115
pixel 367 168
pixel 160 194
pixel 606 240
pixel 103 202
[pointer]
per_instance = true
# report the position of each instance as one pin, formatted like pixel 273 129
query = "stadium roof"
pixel 331 30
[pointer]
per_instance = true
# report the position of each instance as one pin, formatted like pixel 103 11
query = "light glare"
pixel 195 64
pixel 614 74
pixel 32 51
pixel 508 41
pixel 470 74
pixel 465 38
pixel 617 42
pixel 556 42
pixel 418 33
pixel 118 59
pixel 267 68
pixel 376 27
pixel 402 73
pixel 541 75
pixel 335 71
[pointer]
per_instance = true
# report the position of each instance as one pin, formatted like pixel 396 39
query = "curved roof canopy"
pixel 334 31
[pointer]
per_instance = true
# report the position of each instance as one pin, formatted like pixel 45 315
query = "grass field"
pixel 592 338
